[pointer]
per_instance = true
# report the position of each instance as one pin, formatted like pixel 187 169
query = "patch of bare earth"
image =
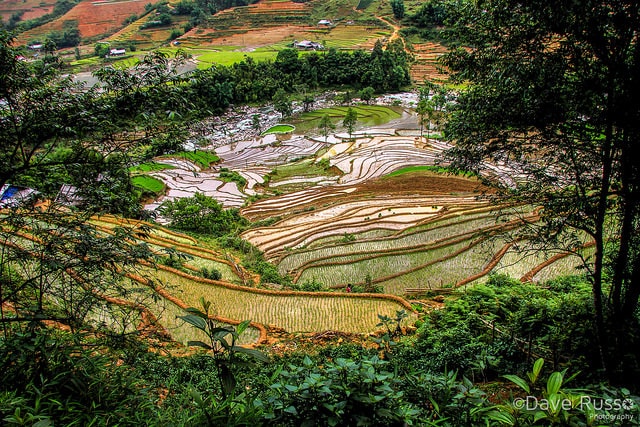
pixel 94 18
pixel 250 39
pixel 30 9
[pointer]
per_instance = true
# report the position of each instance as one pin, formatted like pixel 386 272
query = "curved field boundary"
pixel 343 248
pixel 169 297
pixel 203 253
pixel 120 221
pixel 147 318
pixel 507 226
pixel 271 292
pixel 394 214
pixel 146 282
pixel 373 254
pixel 487 269
pixel 528 277
pixel 290 310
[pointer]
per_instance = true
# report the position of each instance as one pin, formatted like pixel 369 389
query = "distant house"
pixel 308 45
pixel 36 46
pixel 324 22
pixel 117 52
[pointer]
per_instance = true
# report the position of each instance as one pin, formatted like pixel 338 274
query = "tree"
pixel 326 126
pixel 397 6
pixel 54 263
pixel 202 214
pixel 282 103
pixel 366 94
pixel 350 120
pixel 424 109
pixel 255 123
pixel 555 96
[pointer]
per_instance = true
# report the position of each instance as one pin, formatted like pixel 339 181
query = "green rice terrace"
pixel 371 221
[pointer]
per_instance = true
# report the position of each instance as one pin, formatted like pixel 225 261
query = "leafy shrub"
pixel 309 286
pixel 48 379
pixel 341 392
pixel 202 214
pixel 238 243
pixel 210 273
pixel 232 176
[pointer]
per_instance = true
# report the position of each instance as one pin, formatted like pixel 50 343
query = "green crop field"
pixel 368 115
pixel 292 312
pixel 279 129
pixel 148 183
pixel 204 159
pixel 150 167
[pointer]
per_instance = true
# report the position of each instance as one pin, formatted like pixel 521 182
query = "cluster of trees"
pixel 430 18
pixel 250 81
pixel 69 36
pixel 554 93
pixel 397 6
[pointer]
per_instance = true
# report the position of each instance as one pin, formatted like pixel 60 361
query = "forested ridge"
pixel 549 91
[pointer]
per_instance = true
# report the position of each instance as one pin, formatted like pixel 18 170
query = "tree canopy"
pixel 553 95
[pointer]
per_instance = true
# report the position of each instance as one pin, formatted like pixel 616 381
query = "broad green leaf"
pixel 220 333
pixel 196 311
pixel 537 368
pixel 540 415
pixel 242 327
pixel 554 383
pixel 199 344
pixel 194 320
pixel 291 410
pixel 501 417
pixel 228 379
pixel 256 354
pixel 519 382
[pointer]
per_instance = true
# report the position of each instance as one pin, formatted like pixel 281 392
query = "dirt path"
pixel 396 30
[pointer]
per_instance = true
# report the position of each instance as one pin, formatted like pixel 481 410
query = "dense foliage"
pixel 215 88
pixel 553 96
pixel 202 214
pixel 446 375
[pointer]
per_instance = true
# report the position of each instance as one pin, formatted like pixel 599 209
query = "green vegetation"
pixel 279 129
pixel 90 302
pixel 232 176
pixel 204 159
pixel 150 167
pixel 368 115
pixel 433 169
pixel 583 130
pixel 202 214
pixel 301 168
pixel 148 184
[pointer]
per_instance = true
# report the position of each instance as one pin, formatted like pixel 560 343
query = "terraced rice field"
pixel 95 18
pixel 31 8
pixel 234 302
pixel 426 67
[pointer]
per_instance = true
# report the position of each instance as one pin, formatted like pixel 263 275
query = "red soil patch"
pixel 250 39
pixel 95 18
pixel 421 183
pixel 274 6
pixel 31 8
